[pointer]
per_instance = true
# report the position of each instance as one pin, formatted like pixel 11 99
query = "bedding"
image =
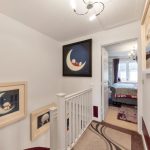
pixel 124 93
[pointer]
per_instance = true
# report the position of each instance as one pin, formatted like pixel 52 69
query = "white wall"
pixel 27 55
pixel 146 101
pixel 146 82
pixel 126 32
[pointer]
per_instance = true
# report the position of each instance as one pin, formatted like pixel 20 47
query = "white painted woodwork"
pixel 53 128
pixel 61 122
pixel 105 89
pixel 76 108
pixel 145 26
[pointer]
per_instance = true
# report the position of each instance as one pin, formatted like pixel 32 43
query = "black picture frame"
pixel 77 59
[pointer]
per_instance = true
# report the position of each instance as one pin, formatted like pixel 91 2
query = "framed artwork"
pixel 77 59
pixel 148 56
pixel 145 36
pixel 12 102
pixel 40 120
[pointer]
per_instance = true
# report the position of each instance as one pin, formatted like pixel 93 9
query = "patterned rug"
pixel 100 137
pixel 128 113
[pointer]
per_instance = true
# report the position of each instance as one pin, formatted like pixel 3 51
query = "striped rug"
pixel 98 136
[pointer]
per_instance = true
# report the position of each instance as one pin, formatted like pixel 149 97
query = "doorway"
pixel 120 83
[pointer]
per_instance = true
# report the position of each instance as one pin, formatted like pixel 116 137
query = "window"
pixel 128 71
pixel 133 71
pixel 122 71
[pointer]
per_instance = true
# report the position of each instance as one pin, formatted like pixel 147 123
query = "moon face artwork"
pixel 43 119
pixel 77 59
pixel 9 102
pixel 73 65
pixel 148 56
pixel 12 102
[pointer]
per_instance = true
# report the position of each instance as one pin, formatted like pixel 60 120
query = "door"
pixel 104 83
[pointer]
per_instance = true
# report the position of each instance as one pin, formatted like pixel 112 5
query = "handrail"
pixel 70 96
pixel 74 116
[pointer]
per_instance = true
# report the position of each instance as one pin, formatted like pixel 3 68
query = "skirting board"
pixel 146 136
pixel 144 143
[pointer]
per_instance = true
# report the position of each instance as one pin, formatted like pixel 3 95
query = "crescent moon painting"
pixel 12 102
pixel 9 102
pixel 73 65
pixel 77 59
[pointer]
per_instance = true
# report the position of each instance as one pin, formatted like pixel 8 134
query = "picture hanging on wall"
pixel 148 56
pixel 77 59
pixel 40 120
pixel 12 102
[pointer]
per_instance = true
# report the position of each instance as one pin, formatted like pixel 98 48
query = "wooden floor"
pixel 111 118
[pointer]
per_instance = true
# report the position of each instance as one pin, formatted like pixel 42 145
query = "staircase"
pixel 74 114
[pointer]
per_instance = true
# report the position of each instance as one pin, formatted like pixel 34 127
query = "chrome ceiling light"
pixel 89 6
pixel 132 54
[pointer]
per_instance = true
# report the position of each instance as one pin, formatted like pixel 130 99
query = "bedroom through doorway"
pixel 120 84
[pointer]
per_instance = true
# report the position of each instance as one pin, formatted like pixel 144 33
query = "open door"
pixel 104 82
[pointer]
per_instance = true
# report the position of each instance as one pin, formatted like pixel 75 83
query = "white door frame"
pixel 139 103
pixel 102 85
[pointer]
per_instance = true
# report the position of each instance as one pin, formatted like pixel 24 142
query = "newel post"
pixel 61 122
pixel 53 128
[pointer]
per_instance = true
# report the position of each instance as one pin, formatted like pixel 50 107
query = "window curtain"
pixel 116 67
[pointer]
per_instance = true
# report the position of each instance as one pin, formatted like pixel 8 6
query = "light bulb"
pixel 92 17
pixel 73 4
pixel 132 52
pixel 129 54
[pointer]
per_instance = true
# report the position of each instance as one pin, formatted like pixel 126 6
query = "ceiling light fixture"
pixel 132 54
pixel 89 6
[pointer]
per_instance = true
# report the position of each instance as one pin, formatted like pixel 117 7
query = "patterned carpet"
pixel 128 113
pixel 101 137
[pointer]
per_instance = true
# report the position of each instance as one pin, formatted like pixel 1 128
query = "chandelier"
pixel 132 54
pixel 88 6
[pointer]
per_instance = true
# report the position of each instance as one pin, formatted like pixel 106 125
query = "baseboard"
pixel 145 136
pixel 144 143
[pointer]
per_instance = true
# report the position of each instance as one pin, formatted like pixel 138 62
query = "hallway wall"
pixel 146 101
pixel 27 55
pixel 115 35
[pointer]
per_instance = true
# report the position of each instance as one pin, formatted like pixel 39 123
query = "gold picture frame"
pixel 40 120
pixel 12 102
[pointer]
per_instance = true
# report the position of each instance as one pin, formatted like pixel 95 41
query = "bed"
pixel 125 93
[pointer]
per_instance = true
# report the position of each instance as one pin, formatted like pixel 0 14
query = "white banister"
pixel 74 116
pixel 53 128
pixel 61 122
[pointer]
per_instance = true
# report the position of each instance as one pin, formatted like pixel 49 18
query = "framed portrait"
pixel 77 59
pixel 12 102
pixel 40 120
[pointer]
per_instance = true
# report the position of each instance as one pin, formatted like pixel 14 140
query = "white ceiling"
pixel 121 49
pixel 56 18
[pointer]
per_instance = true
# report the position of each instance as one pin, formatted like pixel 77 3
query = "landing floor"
pixel 111 118
pixel 104 136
